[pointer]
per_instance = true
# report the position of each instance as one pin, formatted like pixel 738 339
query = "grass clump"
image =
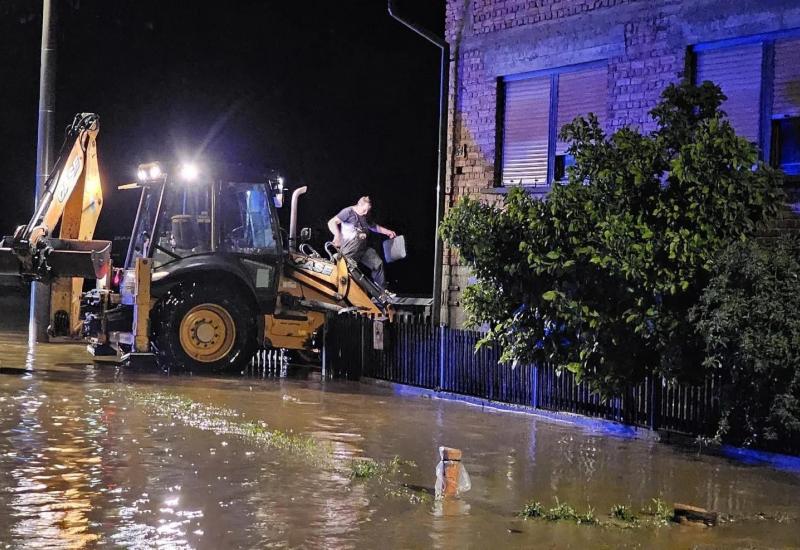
pixel 623 513
pixel 587 517
pixel 365 468
pixel 412 494
pixel 532 509
pixel 661 512
pixel 562 511
pixel 385 473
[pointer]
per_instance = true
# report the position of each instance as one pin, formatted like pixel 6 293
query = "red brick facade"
pixel 644 42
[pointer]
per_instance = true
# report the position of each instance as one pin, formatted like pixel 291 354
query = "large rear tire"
pixel 203 327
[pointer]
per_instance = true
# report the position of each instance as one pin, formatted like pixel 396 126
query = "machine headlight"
pixel 149 172
pixel 189 172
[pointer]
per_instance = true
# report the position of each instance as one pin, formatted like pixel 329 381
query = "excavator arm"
pixel 71 203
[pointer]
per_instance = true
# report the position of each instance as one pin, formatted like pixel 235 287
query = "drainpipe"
pixel 40 292
pixel 440 184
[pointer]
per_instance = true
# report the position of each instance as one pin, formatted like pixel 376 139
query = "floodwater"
pixel 100 456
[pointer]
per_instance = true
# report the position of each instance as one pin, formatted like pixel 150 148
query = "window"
pixel 737 71
pixel 761 78
pixel 184 227
pixel 786 108
pixel 786 145
pixel 535 107
pixel 245 219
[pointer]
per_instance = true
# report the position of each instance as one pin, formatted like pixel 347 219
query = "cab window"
pixel 245 219
pixel 185 224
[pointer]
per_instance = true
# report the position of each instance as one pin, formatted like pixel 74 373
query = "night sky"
pixel 334 95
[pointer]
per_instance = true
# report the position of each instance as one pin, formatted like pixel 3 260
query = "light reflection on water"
pixel 84 461
pixel 56 467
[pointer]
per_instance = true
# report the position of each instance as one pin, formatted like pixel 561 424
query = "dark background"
pixel 335 95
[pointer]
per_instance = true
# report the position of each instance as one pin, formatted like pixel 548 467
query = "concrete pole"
pixel 40 293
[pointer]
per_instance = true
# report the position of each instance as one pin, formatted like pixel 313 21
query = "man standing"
pixel 350 230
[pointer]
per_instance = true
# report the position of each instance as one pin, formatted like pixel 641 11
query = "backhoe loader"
pixel 208 277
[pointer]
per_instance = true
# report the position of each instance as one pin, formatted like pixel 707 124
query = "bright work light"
pixel 149 172
pixel 189 172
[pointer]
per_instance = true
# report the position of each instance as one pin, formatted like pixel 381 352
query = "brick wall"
pixel 644 42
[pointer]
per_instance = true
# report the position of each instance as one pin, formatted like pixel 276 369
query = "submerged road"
pixel 101 456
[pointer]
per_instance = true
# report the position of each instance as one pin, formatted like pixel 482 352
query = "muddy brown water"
pixel 100 456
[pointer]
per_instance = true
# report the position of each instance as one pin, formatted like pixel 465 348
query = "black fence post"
pixel 654 402
pixel 628 412
pixel 441 356
pixel 362 324
pixel 325 347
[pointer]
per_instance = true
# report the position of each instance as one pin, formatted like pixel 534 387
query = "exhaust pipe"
pixel 293 218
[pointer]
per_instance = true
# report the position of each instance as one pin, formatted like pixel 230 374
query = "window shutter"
pixel 525 131
pixel 737 71
pixel 786 91
pixel 581 93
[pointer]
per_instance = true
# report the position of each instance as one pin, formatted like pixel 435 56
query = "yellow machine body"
pixel 315 283
pixel 77 201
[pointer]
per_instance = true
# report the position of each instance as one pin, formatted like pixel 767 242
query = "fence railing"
pixel 445 359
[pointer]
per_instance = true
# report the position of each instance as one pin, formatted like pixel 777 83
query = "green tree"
pixel 749 316
pixel 599 277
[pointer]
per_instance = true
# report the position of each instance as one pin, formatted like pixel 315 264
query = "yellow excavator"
pixel 208 278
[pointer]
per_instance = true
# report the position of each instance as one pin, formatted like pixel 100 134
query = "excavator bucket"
pixel 74 258
pixel 59 258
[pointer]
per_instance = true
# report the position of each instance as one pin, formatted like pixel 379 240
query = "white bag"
pixel 394 249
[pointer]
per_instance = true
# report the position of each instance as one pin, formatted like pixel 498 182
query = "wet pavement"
pixel 96 456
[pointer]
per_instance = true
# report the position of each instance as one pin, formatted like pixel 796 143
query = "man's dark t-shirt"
pixel 354 226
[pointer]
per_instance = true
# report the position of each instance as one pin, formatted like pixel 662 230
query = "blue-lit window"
pixel 786 148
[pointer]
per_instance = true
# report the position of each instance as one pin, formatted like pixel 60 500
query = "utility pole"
pixel 40 293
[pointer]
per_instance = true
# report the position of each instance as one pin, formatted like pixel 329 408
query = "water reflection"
pixel 84 463
pixel 56 470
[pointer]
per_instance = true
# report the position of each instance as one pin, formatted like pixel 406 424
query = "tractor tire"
pixel 203 328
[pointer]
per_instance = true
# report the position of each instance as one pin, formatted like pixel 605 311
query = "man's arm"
pixel 334 224
pixel 383 231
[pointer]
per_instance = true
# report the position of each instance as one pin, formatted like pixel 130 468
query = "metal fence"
pixel 445 359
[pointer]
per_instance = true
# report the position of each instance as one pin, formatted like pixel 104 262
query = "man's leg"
pixel 353 249
pixel 371 259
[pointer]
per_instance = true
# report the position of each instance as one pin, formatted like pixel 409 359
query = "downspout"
pixel 440 184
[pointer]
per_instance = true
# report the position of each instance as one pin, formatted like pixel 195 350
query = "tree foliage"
pixel 599 277
pixel 749 316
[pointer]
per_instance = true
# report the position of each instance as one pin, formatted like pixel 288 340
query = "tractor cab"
pixel 191 225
